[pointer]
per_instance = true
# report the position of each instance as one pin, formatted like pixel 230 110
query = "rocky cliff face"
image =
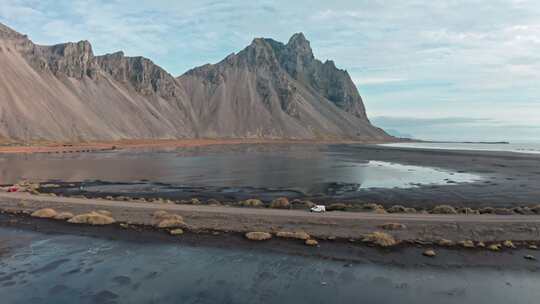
pixel 65 93
pixel 272 90
pixel 334 84
pixel 69 59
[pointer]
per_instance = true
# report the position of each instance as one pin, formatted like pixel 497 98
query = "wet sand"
pixel 105 265
pixel 407 255
pixel 510 179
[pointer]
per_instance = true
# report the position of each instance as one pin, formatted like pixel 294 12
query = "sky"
pixel 444 70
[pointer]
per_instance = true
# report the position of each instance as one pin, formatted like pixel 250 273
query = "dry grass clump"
pixel 258 236
pixel 535 209
pixel 253 203
pixel 336 207
pixel 444 209
pixel 487 210
pixel 467 210
pixel 44 213
pixel 213 202
pixel 466 244
pixel 299 235
pixel 311 242
pixel 381 239
pixel 445 243
pixel 504 211
pixel 523 210
pixel 429 253
pixel 25 186
pixel 400 209
pixel 63 216
pixel 92 218
pixel 509 244
pixel 495 247
pixel 177 231
pixel 280 203
pixel 163 219
pixel 374 208
pixel 193 201
pixel 393 226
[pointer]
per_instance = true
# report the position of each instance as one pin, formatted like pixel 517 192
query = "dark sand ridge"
pixel 344 225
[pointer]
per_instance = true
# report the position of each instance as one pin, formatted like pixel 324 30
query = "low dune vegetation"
pixel 390 234
pixel 92 218
pixel 48 189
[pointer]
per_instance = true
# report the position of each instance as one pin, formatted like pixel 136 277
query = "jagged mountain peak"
pixel 141 73
pixel 272 89
pixel 82 47
pixel 298 38
pixel 300 45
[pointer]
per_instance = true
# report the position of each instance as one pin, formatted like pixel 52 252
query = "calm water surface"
pixel 45 268
pixel 303 168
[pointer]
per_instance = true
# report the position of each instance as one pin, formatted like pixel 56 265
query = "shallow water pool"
pixel 304 168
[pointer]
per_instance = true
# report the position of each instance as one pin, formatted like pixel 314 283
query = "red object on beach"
pixel 13 189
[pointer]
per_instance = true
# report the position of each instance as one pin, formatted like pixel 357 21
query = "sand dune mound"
pixel 44 213
pixel 92 218
pixel 163 219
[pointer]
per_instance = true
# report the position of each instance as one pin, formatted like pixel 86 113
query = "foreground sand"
pixel 419 228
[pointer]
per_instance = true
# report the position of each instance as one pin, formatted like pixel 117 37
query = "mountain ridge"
pixel 269 89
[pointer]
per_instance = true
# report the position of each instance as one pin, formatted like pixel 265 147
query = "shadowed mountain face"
pixel 268 90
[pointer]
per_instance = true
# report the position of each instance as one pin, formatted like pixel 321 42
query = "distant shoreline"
pixel 57 147
pixel 467 142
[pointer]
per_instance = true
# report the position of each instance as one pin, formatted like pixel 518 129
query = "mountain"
pixel 269 90
pixel 64 92
pixel 398 134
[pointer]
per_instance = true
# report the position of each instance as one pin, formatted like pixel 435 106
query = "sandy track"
pixel 338 224
pixel 300 214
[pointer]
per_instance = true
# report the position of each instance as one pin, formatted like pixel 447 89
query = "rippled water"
pixel 44 268
pixel 304 168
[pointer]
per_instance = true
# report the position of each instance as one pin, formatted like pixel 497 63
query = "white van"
pixel 318 209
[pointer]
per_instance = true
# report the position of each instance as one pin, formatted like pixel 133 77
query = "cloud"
pixel 457 128
pixel 376 80
pixel 396 122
